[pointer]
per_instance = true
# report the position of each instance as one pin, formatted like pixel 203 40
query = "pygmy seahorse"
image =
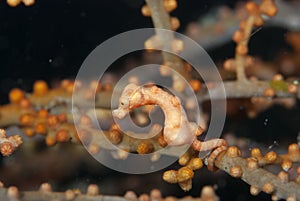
pixel 178 130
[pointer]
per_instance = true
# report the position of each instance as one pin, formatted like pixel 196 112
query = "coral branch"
pixel 161 20
pixel 236 89
pixel 45 193
pixel 242 36
pixel 258 178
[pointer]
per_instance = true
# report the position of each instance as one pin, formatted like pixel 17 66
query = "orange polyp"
pixel 292 88
pixel 62 135
pixel 175 23
pixel 259 21
pixel 196 85
pixel 155 194
pixel 65 83
pixel 269 92
pixel 298 170
pixel 233 151
pixel 161 141
pixel 236 171
pixel 29 131
pixel 146 11
pixel 238 36
pixel 268 188
pixel 13 3
pixel 62 118
pixel 270 157
pixel 107 87
pixel 40 88
pixel 52 120
pixel 45 187
pixel 177 45
pixel 170 176
pixel 286 165
pixel 92 190
pixel 254 190
pixel 43 113
pixel 293 149
pixel 269 9
pixel 28 2
pixel 283 176
pixel 50 141
pixel 145 147
pixel 85 121
pixel 95 86
pixel 114 127
pixel 93 149
pixel 252 8
pixel 184 174
pixel 170 5
pixel 25 103
pixel 195 163
pixel 115 136
pixel 252 163
pixel 241 49
pixel 230 65
pixel 16 95
pixel 40 128
pixel 26 119
pixel 255 152
pixel 70 87
pixel 242 24
pixel 277 77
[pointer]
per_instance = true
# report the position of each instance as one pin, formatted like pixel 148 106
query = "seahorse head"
pixel 125 101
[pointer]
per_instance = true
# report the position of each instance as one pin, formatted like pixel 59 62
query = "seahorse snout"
pixel 119 113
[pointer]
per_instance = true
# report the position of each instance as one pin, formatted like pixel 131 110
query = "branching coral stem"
pixel 258 177
pixel 240 59
pixel 160 17
pixel 10 113
pixel 161 20
pixel 51 196
pixel 238 89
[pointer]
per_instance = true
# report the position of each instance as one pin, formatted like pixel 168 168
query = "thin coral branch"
pixel 162 20
pixel 236 89
pixel 45 193
pixel 10 114
pixel 239 58
pixel 242 36
pixel 259 178
pixel 285 160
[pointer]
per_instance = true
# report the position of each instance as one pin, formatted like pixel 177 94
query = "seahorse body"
pixel 177 129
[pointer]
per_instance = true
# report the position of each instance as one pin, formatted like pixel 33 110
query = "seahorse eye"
pixel 123 102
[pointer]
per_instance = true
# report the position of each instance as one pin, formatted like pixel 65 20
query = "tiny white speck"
pixel 275 144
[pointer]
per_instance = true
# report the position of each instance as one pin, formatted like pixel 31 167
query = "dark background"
pixel 65 31
pixel 51 39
